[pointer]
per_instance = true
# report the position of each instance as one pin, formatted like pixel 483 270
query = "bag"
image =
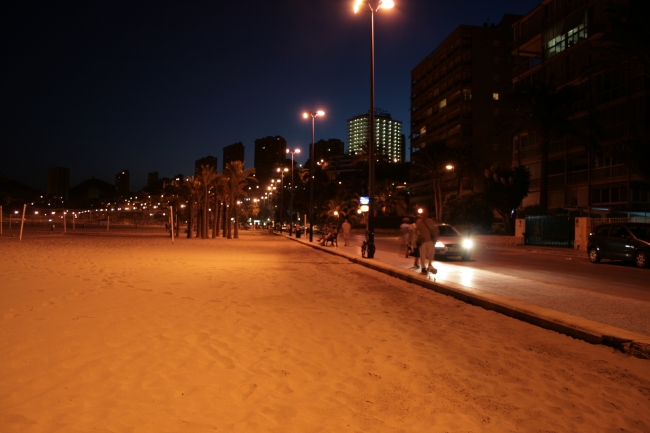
pixel 415 252
pixel 419 241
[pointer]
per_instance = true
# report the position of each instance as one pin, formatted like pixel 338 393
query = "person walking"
pixel 347 228
pixel 404 230
pixel 413 239
pixel 427 236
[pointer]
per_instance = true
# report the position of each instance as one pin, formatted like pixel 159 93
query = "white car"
pixel 452 244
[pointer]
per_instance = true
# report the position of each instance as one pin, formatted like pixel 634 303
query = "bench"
pixel 332 238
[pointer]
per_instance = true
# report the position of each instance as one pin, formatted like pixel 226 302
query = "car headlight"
pixel 467 244
pixel 439 245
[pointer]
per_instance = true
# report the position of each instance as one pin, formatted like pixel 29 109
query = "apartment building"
pixel 559 43
pixel 457 101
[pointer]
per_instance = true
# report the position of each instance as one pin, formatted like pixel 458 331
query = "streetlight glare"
pixel 357 5
pixel 305 115
pixel 320 113
pixel 386 4
pixel 297 150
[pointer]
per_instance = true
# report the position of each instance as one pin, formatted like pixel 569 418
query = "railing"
pixel 529 152
pixel 609 172
pixel 526 66
pixel 578 176
pixel 556 179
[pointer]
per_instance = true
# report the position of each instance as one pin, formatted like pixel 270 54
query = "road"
pixel 613 293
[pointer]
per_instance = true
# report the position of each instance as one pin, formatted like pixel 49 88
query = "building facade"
pixel 58 182
pixel 457 103
pixel 234 152
pixel 389 140
pixel 270 153
pixel 210 161
pixel 559 44
pixel 122 185
pixel 326 149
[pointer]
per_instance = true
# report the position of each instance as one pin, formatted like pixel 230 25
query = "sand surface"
pixel 261 334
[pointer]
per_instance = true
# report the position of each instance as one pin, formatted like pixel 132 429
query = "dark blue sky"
pixel 99 87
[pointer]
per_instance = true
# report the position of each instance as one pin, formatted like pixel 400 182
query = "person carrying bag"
pixel 427 230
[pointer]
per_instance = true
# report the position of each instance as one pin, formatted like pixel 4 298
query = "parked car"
pixel 452 244
pixel 620 241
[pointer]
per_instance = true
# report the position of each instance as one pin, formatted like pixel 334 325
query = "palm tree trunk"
pixel 224 221
pixel 236 221
pixel 206 221
pixel 229 211
pixel 215 216
pixel 189 219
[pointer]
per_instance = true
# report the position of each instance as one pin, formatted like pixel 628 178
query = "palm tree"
pixel 206 175
pixel 220 194
pixel 389 200
pixel 432 160
pixel 238 179
pixel 193 189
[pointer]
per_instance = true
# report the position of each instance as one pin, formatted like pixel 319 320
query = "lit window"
pixel 495 96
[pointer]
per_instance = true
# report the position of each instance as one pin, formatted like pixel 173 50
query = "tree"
pixel 388 199
pixel 220 194
pixel 193 190
pixel 238 179
pixel 206 175
pixel 468 210
pixel 431 160
pixel 542 108
pixel 505 189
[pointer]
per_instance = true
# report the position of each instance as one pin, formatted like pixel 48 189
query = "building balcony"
pixel 527 66
pixel 609 172
pixel 578 176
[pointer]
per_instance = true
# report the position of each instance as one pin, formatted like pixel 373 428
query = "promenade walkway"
pixel 543 304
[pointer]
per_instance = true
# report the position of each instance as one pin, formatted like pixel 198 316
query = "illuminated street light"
pixel 282 171
pixel 292 152
pixel 373 6
pixel 312 171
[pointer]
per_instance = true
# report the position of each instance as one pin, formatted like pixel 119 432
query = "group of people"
pixel 331 233
pixel 418 240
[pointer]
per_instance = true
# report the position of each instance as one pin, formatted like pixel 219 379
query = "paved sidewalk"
pixel 587 330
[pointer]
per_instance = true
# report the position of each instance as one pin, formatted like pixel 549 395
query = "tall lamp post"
pixel 312 173
pixel 373 6
pixel 292 152
pixel 282 171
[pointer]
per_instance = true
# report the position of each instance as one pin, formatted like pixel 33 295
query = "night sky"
pixel 102 86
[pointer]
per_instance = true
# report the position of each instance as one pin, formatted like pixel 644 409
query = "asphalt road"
pixel 614 293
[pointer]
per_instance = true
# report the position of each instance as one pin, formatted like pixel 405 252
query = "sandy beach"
pixel 262 334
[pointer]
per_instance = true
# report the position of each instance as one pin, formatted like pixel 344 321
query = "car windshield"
pixel 640 231
pixel 448 231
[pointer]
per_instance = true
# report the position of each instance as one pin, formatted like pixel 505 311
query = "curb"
pixel 628 342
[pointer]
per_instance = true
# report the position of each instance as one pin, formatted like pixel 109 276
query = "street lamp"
pixel 313 116
pixel 282 171
pixel 292 152
pixel 373 6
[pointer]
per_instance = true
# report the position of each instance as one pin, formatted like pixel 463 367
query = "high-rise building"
pixel 326 149
pixel 58 182
pixel 389 140
pixel 559 44
pixel 153 180
pixel 234 152
pixel 209 160
pixel 270 153
pixel 122 180
pixel 457 102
